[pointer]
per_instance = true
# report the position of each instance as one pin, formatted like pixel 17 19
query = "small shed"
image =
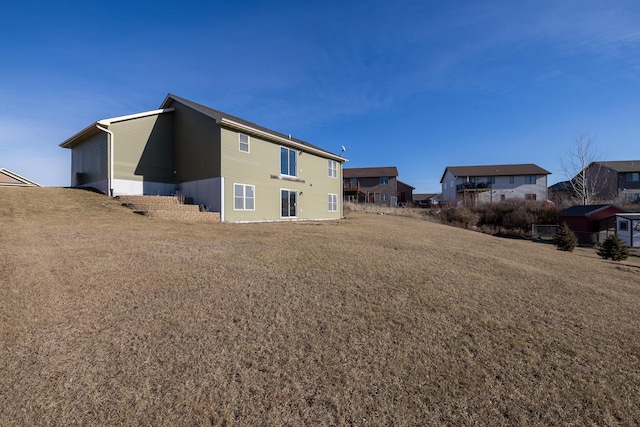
pixel 591 223
pixel 628 229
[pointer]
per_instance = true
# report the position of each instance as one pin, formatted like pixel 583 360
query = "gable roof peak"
pixel 249 127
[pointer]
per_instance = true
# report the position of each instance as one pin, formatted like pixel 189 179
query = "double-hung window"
pixel 333 202
pixel 243 142
pixel 288 160
pixel 288 199
pixel 332 168
pixel 244 197
pixel 633 176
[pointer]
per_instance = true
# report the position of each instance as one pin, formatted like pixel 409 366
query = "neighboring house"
pixel 613 180
pixel 481 184
pixel 628 229
pixel 561 193
pixel 377 185
pixel 12 179
pixel 223 163
pixel 590 223
pixel 426 200
pixel 405 194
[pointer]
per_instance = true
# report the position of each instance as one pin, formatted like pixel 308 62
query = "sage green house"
pixel 221 162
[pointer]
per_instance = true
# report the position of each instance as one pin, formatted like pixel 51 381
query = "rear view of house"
pixel 376 185
pixel 221 162
pixel 481 184
pixel 611 181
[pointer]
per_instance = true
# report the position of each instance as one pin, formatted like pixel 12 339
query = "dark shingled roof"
pixel 622 165
pixel 496 170
pixel 585 210
pixel 218 115
pixel 369 172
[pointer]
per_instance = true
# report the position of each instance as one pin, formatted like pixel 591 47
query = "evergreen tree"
pixel 613 248
pixel 565 239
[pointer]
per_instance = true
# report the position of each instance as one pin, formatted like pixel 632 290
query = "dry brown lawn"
pixel 110 318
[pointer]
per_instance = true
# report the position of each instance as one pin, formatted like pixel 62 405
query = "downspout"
pixel 110 150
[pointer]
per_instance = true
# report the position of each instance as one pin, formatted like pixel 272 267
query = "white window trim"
pixel 288 164
pixel 240 143
pixel 332 168
pixel 297 202
pixel 244 197
pixel 331 202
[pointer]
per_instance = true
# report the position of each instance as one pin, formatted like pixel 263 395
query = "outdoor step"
pixel 167 207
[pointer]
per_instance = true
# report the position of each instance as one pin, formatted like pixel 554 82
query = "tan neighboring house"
pixel 376 185
pixel 12 179
pixel 471 185
pixel 223 163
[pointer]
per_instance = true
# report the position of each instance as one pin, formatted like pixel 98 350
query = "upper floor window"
pixel 332 168
pixel 633 176
pixel 530 179
pixel 243 142
pixel 512 179
pixel 288 160
pixel 491 180
pixel 451 183
pixel 444 186
pixel 384 180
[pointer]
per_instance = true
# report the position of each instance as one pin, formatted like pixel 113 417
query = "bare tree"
pixel 582 170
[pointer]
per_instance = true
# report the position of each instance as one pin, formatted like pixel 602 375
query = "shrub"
pixel 463 217
pixel 613 248
pixel 565 239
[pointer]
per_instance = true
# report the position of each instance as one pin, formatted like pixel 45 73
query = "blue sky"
pixel 420 85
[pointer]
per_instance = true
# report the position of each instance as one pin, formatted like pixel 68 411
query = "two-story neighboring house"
pixel 223 163
pixel 613 180
pixel 376 185
pixel 481 184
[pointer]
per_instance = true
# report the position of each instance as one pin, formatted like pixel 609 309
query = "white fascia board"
pixel 68 143
pixel 107 122
pixel 18 177
pixel 282 140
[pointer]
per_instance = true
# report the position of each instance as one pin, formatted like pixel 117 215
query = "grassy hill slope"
pixel 110 318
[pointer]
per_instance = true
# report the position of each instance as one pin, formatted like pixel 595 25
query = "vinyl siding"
pixel 196 144
pixel 143 150
pixel 519 189
pixel 257 168
pixel 89 161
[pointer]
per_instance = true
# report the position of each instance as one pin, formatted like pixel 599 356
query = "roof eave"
pixel 84 133
pixel 276 138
